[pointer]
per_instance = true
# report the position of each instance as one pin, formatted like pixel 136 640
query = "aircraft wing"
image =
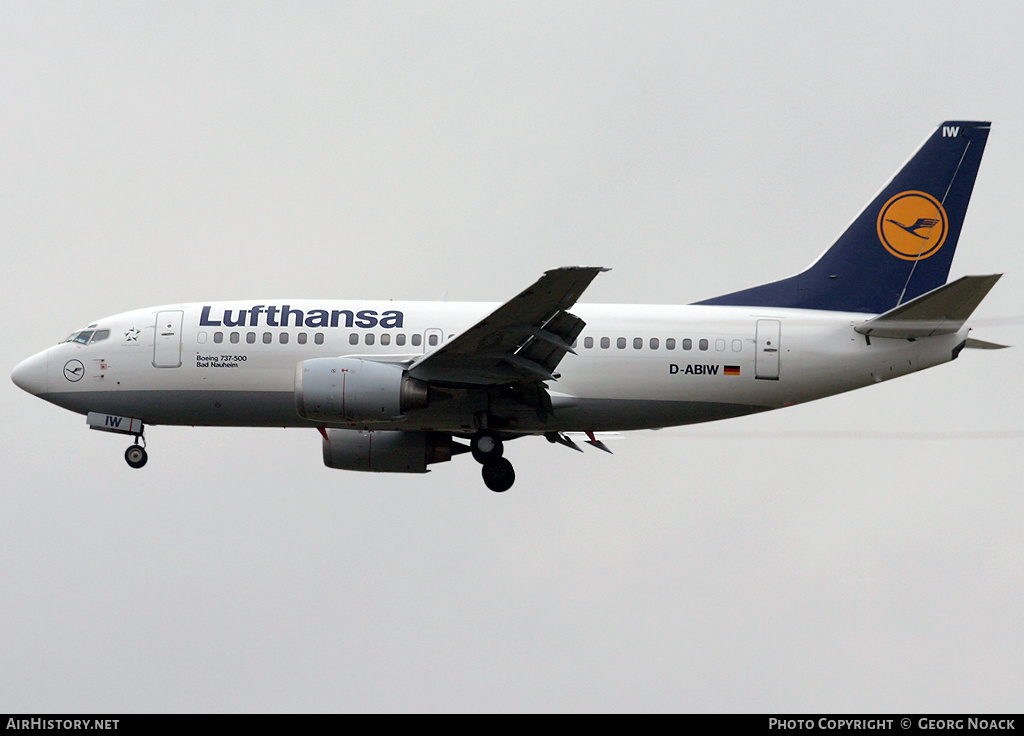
pixel 522 340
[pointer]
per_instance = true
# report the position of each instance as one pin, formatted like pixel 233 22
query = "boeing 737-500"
pixel 394 386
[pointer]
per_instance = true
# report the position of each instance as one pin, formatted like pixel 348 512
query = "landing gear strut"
pixel 487 449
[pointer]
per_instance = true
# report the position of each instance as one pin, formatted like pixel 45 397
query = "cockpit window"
pixel 85 337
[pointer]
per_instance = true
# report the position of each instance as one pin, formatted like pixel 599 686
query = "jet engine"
pixel 385 452
pixel 355 390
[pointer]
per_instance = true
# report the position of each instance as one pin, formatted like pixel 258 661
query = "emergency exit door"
pixel 432 338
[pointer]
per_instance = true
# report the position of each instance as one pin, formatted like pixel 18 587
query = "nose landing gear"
pixel 136 455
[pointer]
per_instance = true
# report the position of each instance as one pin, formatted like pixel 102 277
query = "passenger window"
pixel 267 338
pixel 703 344
pixel 218 337
pixel 687 344
pixel 201 338
pixel 432 340
pixel 385 339
pixel 235 337
pixel 301 338
pixel 400 338
pixel 318 338
pixel 353 339
pixel 283 338
pixel 417 339
pixel 621 343
pixel 370 339
pixel 737 346
pixel 719 345
pixel 654 343
pixel 670 343
pixel 638 342
pixel 588 342
pixel 605 343
pixel 250 337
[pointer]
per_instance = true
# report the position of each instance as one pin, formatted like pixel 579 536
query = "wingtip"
pixel 596 269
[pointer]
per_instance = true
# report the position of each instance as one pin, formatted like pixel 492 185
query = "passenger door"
pixel 167 339
pixel 766 359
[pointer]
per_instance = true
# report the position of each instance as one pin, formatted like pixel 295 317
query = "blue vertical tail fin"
pixel 901 246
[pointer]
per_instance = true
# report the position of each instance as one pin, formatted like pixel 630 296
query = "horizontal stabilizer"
pixel 941 311
pixel 982 345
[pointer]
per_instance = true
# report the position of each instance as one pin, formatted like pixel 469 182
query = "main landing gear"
pixel 487 449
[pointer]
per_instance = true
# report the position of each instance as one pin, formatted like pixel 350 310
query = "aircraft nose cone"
pixel 30 375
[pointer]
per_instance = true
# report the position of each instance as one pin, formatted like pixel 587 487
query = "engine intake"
pixel 355 390
pixel 385 452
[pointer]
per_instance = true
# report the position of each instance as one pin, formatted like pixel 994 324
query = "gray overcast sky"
pixel 861 553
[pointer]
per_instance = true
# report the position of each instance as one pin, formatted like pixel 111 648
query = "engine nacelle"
pixel 385 452
pixel 355 390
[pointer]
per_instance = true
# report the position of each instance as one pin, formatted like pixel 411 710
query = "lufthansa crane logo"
pixel 912 226
pixel 74 370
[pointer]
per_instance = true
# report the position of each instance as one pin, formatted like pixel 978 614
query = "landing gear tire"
pixel 136 456
pixel 499 475
pixel 486 446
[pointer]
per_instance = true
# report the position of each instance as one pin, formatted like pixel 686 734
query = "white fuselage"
pixel 635 367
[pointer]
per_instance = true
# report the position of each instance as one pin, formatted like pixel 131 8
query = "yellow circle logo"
pixel 912 226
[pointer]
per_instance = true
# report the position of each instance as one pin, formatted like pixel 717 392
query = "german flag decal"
pixel 731 370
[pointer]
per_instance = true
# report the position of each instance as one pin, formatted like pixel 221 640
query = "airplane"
pixel 394 387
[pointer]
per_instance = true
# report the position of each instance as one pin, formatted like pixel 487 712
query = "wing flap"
pixel 941 311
